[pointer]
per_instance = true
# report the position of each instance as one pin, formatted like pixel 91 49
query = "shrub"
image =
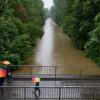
pixel 92 47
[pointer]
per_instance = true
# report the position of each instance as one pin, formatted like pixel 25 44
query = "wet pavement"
pixel 73 90
pixel 88 82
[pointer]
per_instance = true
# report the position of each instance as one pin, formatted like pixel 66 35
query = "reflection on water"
pixel 45 45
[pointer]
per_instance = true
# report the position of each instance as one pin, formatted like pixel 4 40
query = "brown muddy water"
pixel 55 48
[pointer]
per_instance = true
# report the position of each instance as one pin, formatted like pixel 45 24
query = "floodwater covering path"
pixel 55 48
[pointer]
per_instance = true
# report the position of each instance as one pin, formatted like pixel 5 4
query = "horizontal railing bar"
pixel 61 76
pixel 50 86
pixel 33 66
pixel 48 66
pixel 57 79
pixel 58 76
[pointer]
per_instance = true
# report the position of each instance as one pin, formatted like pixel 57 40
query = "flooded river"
pixel 55 48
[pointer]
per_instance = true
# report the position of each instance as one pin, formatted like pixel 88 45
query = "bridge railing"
pixel 56 71
pixel 51 93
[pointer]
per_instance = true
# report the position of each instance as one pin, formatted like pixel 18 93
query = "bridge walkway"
pixel 66 89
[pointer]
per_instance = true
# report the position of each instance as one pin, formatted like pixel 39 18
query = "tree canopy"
pixel 21 24
pixel 80 19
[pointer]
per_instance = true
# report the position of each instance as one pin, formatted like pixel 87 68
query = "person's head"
pixel 37 83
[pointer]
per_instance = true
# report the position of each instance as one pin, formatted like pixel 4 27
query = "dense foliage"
pixel 21 24
pixel 80 19
pixel 92 47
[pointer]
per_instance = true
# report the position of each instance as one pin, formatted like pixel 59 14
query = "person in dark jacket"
pixel 1 84
pixel 37 90
pixel 9 76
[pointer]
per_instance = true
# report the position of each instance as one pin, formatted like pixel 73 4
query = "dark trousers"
pixel 37 90
pixel 2 90
pixel 1 84
pixel 9 79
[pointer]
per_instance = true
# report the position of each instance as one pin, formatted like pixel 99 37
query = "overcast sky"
pixel 48 3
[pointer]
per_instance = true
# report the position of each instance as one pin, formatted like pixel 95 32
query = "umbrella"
pixel 6 62
pixel 3 72
pixel 35 79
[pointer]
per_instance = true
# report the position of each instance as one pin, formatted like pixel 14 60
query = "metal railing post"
pixel 24 93
pixel 80 72
pixel 59 93
pixel 55 71
pixel 93 94
pixel 55 75
pixel 31 69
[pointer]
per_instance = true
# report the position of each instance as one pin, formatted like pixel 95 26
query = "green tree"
pixel 21 24
pixel 92 47
pixel 77 19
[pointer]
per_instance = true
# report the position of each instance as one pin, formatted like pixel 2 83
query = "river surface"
pixel 55 48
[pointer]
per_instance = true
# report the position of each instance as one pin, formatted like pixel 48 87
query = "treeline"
pixel 21 24
pixel 80 19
